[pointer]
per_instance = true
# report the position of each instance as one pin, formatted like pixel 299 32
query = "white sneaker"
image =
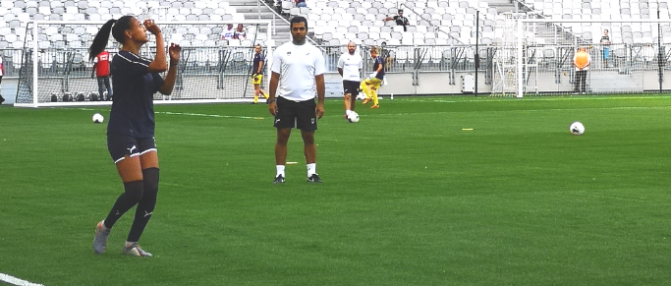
pixel 133 249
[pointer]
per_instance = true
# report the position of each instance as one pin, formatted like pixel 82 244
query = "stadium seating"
pixel 432 20
pixel 16 12
pixel 338 21
pixel 607 10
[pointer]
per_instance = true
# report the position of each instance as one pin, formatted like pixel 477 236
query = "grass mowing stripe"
pixel 16 281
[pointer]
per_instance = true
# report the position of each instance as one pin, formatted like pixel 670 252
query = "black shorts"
pixel 299 114
pixel 121 145
pixel 351 87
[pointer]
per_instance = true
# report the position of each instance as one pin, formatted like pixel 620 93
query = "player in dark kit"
pixel 130 131
pixel 257 76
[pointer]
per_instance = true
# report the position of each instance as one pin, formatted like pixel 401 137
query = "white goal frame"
pixel 521 39
pixel 268 42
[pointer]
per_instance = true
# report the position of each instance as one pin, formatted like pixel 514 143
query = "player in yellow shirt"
pixel 370 85
pixel 257 76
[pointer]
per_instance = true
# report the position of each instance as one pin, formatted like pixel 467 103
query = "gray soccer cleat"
pixel 135 250
pixel 100 240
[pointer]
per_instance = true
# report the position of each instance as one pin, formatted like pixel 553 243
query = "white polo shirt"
pixel 298 65
pixel 351 66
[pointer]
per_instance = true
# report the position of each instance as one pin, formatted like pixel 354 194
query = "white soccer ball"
pixel 353 117
pixel 577 128
pixel 361 96
pixel 98 118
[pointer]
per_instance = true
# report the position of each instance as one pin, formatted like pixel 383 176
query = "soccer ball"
pixel 353 117
pixel 98 118
pixel 577 128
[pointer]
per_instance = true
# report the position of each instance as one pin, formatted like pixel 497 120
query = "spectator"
pixel 228 33
pixel 240 33
pixel 387 57
pixel 400 20
pixel 101 67
pixel 278 6
pixel 581 61
pixel 2 73
pixel 300 3
pixel 605 42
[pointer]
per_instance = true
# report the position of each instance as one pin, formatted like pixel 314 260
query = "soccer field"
pixel 411 196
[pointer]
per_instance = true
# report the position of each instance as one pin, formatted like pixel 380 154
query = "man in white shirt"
pixel 298 68
pixel 228 33
pixel 349 67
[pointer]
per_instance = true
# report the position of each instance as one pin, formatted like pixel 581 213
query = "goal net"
pixel 55 70
pixel 539 56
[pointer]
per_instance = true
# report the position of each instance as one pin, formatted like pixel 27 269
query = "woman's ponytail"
pixel 100 41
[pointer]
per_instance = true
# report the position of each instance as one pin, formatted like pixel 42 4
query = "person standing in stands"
pixel 605 42
pixel 240 33
pixel 400 20
pixel 228 33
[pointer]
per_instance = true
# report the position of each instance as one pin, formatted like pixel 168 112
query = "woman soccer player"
pixel 130 131
pixel 370 85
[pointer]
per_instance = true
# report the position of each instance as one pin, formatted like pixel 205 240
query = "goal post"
pixel 542 51
pixel 55 70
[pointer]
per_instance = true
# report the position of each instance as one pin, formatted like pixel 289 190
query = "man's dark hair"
pixel 298 19
pixel 400 11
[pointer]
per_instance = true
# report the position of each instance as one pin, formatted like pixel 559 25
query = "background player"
pixel 370 85
pixel 130 131
pixel 349 67
pixel 298 68
pixel 257 76
pixel 101 67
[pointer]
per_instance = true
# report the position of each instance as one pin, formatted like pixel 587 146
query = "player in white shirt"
pixel 298 68
pixel 349 67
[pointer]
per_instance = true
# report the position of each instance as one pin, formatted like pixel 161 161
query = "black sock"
pixel 145 207
pixel 130 197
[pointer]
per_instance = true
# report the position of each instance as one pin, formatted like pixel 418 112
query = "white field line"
pixel 11 280
pixel 442 112
pixel 490 99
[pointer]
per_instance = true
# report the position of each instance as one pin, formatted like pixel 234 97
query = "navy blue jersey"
pixel 258 58
pixel 379 62
pixel 132 111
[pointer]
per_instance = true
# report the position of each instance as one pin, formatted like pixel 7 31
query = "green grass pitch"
pixel 409 197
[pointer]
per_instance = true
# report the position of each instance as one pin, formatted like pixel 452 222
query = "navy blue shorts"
pixel 120 146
